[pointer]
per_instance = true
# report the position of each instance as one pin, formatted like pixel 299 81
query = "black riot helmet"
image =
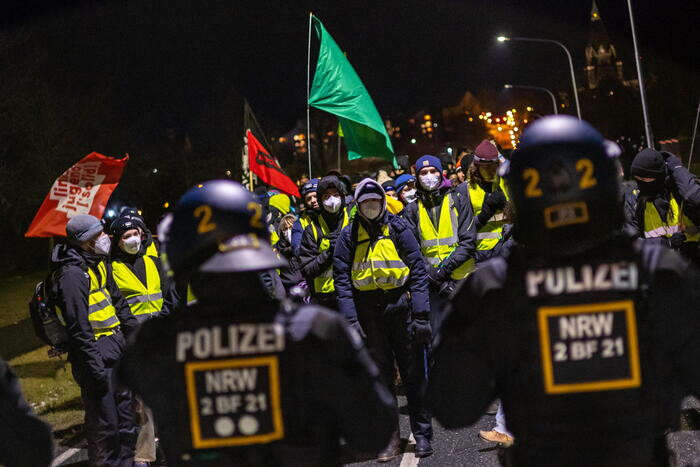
pixel 216 227
pixel 564 185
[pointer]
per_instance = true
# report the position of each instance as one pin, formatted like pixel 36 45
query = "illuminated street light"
pixel 536 88
pixel 413 140
pixel 568 56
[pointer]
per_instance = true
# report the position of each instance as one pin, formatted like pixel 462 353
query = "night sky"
pixel 409 54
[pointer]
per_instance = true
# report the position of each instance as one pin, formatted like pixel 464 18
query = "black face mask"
pixel 651 188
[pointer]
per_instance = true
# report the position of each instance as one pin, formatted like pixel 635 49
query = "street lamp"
pixel 536 88
pixel 568 55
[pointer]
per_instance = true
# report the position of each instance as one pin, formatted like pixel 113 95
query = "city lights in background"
pixel 505 129
pixel 427 126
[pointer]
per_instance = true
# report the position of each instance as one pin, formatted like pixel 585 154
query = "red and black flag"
pixel 260 162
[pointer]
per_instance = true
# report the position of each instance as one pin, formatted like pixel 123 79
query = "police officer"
pixel 310 214
pixel 665 207
pixel 600 342
pixel 377 265
pixel 236 380
pixel 443 222
pixel 24 439
pixel 97 318
pixel 140 277
pixel 318 241
pixel 488 195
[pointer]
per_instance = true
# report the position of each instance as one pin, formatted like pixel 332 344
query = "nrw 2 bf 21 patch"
pixel 234 402
pixel 591 347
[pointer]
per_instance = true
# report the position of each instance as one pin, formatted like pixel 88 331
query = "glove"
pixel 446 289
pixel 496 200
pixel 355 325
pixel 434 275
pixel 671 161
pixel 332 237
pixel 677 240
pixel 420 330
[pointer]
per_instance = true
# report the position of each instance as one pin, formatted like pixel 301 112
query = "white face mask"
pixel 131 245
pixel 102 245
pixel 332 204
pixel 409 195
pixel 430 181
pixel 371 209
pixel 288 234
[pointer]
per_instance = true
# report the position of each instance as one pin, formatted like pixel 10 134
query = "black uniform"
pixel 24 439
pixel 251 386
pixel 589 354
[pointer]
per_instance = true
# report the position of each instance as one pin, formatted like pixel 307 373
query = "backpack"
pixel 42 310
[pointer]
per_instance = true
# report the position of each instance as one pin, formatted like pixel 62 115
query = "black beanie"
pixel 125 223
pixel 649 164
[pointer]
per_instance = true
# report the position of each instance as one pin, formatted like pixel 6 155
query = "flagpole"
pixel 308 94
pixel 338 146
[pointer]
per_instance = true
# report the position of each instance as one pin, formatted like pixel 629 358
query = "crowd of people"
pixel 442 279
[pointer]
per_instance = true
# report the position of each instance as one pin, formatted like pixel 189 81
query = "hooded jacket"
pixel 71 286
pixel 314 263
pixel 290 275
pixel 406 246
pixel 466 225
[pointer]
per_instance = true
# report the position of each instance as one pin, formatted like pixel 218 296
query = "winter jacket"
pixel 71 284
pixel 298 229
pixel 466 225
pixel 406 246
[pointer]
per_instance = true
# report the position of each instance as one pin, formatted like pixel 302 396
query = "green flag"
pixel 338 90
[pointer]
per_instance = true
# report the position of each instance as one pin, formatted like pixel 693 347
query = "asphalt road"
pixel 452 448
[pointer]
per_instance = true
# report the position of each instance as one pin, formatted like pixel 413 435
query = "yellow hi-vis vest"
pixel 438 245
pixel 142 299
pixel 323 283
pixel 152 250
pixel 191 299
pixel 101 313
pixel 488 235
pixel 654 226
pixel 377 266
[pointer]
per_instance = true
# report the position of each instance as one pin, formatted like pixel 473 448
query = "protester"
pixel 665 208
pixel 377 266
pixel 148 240
pixel 318 241
pixel 290 275
pixel 97 320
pixel 443 222
pixel 406 188
pixel 308 194
pixel 488 195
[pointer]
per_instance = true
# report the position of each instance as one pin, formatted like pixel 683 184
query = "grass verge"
pixel 47 383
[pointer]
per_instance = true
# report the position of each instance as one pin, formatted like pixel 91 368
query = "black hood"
pixel 64 254
pixel 330 181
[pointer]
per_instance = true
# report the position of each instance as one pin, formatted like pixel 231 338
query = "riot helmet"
pixel 216 227
pixel 565 188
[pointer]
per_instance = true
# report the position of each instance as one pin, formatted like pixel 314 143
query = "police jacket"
pixel 71 282
pixel 257 386
pixel 24 439
pixel 136 264
pixel 681 185
pixel 466 226
pixel 349 298
pixel 590 355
